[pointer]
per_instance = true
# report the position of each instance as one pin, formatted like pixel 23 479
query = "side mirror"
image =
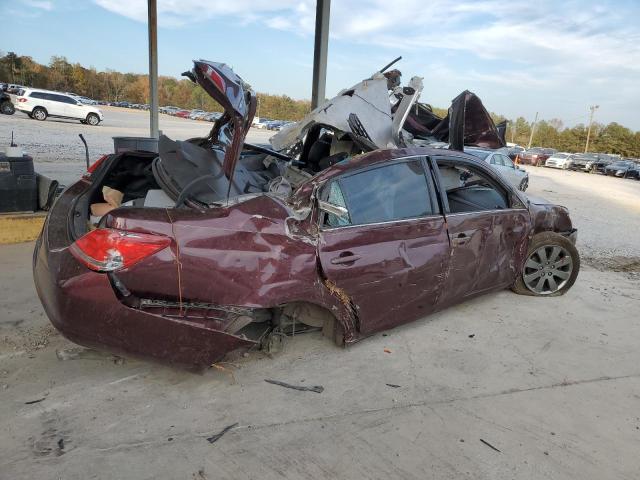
pixel 336 210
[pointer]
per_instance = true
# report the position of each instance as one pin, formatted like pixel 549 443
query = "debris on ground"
pixel 225 370
pixel 31 402
pixel 386 350
pixel 218 436
pixel 472 335
pixel 490 446
pixel 314 388
pixel 80 353
pixel 392 385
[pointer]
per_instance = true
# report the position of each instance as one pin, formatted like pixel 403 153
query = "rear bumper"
pixel 84 307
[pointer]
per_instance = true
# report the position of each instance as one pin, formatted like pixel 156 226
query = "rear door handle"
pixel 344 259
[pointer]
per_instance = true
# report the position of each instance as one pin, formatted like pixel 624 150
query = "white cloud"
pixel 575 47
pixel 41 4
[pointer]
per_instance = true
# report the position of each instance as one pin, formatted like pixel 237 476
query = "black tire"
pixel 7 108
pixel 93 119
pixel 547 272
pixel 39 114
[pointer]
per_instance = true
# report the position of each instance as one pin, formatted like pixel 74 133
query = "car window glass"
pixel 393 192
pixel 336 197
pixel 35 95
pixel 506 161
pixel 470 190
pixel 497 159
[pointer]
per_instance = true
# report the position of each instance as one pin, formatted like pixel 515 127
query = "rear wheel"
pixel 93 119
pixel 39 114
pixel 551 266
pixel 7 108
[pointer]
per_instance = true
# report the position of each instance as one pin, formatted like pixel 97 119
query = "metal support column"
pixel 320 52
pixel 152 13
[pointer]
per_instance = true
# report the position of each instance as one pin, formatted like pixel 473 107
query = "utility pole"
pixel 152 16
pixel 321 46
pixel 593 108
pixel 533 127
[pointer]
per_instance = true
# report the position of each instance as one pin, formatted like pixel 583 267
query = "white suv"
pixel 40 104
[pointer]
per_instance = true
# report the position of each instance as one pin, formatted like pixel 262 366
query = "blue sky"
pixel 518 56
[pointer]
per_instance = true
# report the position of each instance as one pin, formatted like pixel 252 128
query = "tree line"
pixel 114 86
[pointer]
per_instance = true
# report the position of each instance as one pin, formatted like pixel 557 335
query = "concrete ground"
pixel 500 387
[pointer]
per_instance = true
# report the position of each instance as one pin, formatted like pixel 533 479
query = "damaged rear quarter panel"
pixel 254 254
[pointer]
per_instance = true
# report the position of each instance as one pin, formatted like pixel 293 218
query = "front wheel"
pixel 7 108
pixel 93 119
pixel 551 266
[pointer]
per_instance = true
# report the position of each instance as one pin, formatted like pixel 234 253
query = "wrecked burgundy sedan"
pixel 215 244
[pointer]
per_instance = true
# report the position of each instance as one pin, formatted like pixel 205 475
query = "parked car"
pixel 559 160
pixel 623 168
pixel 503 164
pixel 512 151
pixel 170 110
pixel 197 114
pixel 212 117
pixel 592 162
pixel 87 101
pixel 14 89
pixel 262 123
pixel 6 105
pixel 183 113
pixel 535 156
pixel 40 104
pixel 363 245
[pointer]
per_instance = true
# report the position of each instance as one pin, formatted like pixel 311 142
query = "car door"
pixel 488 228
pixel 388 252
pixel 71 107
pixel 55 106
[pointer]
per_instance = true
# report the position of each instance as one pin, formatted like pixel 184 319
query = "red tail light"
pixel 97 163
pixel 22 99
pixel 107 249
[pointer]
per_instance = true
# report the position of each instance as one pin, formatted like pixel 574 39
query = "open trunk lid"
pixel 239 103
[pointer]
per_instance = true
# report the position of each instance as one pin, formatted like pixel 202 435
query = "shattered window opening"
pixel 469 190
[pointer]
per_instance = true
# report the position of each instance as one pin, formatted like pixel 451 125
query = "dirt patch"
pixel 616 263
pixel 29 340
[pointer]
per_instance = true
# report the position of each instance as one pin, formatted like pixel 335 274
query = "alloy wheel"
pixel 547 269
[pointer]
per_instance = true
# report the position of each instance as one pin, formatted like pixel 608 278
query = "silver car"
pixel 501 162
